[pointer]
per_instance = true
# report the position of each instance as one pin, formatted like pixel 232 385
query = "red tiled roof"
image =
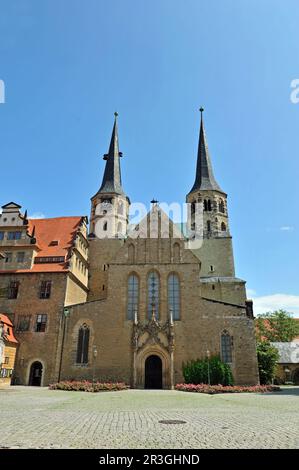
pixel 7 324
pixel 61 229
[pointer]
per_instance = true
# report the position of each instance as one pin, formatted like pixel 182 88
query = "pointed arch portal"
pixel 153 372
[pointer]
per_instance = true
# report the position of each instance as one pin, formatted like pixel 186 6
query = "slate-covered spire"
pixel 112 176
pixel 204 179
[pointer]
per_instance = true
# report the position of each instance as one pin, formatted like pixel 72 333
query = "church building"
pixel 126 303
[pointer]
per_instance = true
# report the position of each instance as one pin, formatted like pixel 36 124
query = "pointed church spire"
pixel 112 176
pixel 204 179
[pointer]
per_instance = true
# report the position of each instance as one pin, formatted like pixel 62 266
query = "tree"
pixel 267 356
pixel 277 326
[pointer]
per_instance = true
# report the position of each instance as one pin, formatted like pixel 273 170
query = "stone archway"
pixel 161 366
pixel 153 372
pixel 36 373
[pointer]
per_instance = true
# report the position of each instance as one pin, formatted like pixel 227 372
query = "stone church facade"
pixel 130 303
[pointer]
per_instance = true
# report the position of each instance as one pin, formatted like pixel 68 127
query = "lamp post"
pixel 66 314
pixel 208 357
pixel 94 353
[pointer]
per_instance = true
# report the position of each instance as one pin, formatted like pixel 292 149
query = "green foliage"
pixel 277 326
pixel 267 356
pixel 197 371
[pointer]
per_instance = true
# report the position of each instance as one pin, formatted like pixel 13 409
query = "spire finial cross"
pixel 116 114
pixel 201 110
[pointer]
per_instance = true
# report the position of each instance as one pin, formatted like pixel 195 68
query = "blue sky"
pixel 68 65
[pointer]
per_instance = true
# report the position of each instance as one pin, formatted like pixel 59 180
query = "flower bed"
pixel 213 389
pixel 86 386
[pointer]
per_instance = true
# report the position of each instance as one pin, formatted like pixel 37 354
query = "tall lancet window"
pixel 174 295
pixel 226 347
pixel 83 345
pixel 153 295
pixel 133 296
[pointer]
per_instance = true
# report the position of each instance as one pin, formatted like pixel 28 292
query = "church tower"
pixel 110 205
pixel 108 220
pixel 209 202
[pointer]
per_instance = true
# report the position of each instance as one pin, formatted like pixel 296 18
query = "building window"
pixel 223 227
pixel 45 289
pixel 120 209
pixel 105 227
pixel 23 322
pixel 13 289
pixel 2 236
pixel 6 360
pixel 226 347
pixel 41 323
pixel 133 296
pixel 14 235
pixel 153 295
pixel 20 257
pixel 8 257
pixel 174 295
pixel 205 205
pixel 208 225
pixel 83 344
pixel 221 206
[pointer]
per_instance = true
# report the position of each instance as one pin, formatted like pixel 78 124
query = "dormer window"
pixel 14 235
pixel 54 243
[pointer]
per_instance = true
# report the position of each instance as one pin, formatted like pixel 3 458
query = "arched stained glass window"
pixel 83 344
pixel 226 347
pixel 174 295
pixel 133 296
pixel 153 294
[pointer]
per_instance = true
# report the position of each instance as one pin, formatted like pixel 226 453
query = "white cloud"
pixel 36 215
pixel 268 303
pixel 286 228
pixel 251 292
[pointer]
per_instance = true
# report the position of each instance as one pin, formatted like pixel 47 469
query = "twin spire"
pixel 204 179
pixel 112 176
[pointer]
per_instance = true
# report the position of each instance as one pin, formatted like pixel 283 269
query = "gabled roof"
pixel 12 205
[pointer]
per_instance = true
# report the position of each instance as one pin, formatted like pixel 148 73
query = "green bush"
pixel 197 371
pixel 267 356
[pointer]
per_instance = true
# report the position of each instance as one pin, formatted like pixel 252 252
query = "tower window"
pixel 209 205
pixel 205 205
pixel 209 226
pixel 223 227
pixel 105 226
pixel 221 206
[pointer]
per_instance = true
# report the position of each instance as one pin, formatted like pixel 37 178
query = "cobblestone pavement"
pixel 40 418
